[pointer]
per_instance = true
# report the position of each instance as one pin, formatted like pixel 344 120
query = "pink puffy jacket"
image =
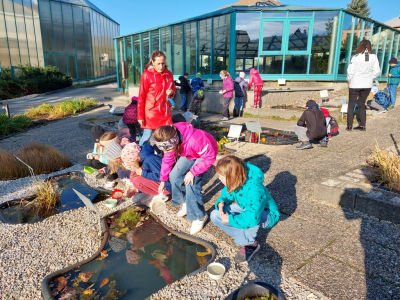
pixel 196 144
pixel 255 78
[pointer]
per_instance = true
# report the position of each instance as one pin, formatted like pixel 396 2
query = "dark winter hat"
pixel 112 151
pixel 96 132
pixel 310 103
pixel 393 60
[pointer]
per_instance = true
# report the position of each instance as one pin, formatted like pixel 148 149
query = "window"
pixel 190 48
pixel 137 69
pixel 165 41
pixel 247 39
pixel 128 42
pixel 177 50
pixel 204 47
pixel 298 35
pixel 221 43
pixel 146 48
pixel 270 64
pixel 155 45
pixel 323 42
pixel 345 47
pixel 272 36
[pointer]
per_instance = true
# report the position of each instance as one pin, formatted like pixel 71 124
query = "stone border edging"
pixel 351 192
pixel 51 121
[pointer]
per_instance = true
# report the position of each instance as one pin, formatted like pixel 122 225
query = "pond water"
pixel 25 210
pixel 133 265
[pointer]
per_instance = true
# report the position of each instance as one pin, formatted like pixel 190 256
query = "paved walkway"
pixel 338 254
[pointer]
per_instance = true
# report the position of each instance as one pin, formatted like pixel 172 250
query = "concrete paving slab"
pixel 338 281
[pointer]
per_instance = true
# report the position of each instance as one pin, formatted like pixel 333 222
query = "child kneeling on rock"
pixel 255 206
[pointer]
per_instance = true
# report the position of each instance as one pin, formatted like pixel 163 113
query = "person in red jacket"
pixel 156 86
pixel 258 85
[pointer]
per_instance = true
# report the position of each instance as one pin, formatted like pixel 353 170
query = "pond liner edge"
pixel 46 293
pixel 7 221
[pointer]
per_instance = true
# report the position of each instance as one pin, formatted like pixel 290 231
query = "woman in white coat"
pixel 364 67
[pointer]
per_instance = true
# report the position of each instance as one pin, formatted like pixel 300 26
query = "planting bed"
pixel 26 210
pixel 141 257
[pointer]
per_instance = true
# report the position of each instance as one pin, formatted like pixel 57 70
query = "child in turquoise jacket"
pixel 96 158
pixel 394 80
pixel 255 206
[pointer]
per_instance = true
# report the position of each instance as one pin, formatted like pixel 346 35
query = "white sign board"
pixel 235 131
pixel 209 81
pixel 324 93
pixel 344 108
pixel 253 126
pixel 282 81
pixel 112 109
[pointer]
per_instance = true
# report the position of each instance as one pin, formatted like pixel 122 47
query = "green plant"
pixel 61 109
pixel 13 124
pixel 130 217
pixel 276 118
pixel 91 120
pixel 42 158
pixel 47 197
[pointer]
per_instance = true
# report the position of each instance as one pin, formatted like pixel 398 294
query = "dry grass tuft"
pixel 47 196
pixel 388 164
pixel 42 158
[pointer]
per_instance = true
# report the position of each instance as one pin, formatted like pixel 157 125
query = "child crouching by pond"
pixel 255 206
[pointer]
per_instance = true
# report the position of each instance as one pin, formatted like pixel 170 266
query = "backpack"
pixel 200 94
pixel 334 126
pixel 130 114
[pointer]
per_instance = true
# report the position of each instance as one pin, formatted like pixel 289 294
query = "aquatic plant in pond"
pixel 36 208
pixel 47 196
pixel 140 261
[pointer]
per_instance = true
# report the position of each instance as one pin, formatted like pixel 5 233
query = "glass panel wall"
pixel 11 32
pixel 190 48
pixel 4 54
pixel 146 48
pixel 298 35
pixel 21 32
pixel 30 33
pixel 177 50
pixel 345 46
pixel 204 46
pixel 137 69
pixel 323 42
pixel 155 45
pixel 388 53
pixel 272 36
pixel 357 35
pixel 221 37
pixel 129 59
pixel 247 40
pixel 270 64
pixel 165 40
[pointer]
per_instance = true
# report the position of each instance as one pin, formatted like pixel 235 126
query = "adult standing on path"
pixel 156 85
pixel 227 91
pixel 363 68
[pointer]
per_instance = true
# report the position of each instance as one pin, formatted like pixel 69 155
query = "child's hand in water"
pixel 188 178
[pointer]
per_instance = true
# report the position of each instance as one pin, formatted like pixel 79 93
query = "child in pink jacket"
pixel 197 151
pixel 258 85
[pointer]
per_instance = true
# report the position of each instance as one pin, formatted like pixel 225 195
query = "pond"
pixel 25 210
pixel 138 261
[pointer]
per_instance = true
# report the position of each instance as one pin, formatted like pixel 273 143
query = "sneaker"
pixel 390 107
pixel 329 137
pixel 246 253
pixel 361 128
pixel 183 211
pixel 382 111
pixel 224 119
pixel 323 143
pixel 349 128
pixel 198 225
pixel 304 145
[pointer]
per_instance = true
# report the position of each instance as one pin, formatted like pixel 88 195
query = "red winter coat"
pixel 153 105
pixel 255 78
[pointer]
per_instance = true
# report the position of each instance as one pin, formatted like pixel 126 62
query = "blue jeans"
pixel 191 194
pixel 183 102
pixel 238 103
pixel 146 136
pixel 242 236
pixel 392 93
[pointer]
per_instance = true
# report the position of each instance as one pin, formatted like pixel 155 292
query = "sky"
pixel 137 15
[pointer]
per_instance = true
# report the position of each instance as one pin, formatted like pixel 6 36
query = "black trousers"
pixel 132 130
pixel 95 164
pixel 357 96
pixel 225 107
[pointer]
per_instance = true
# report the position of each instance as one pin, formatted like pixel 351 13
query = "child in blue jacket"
pixel 96 158
pixel 255 206
pixel 381 101
pixel 394 80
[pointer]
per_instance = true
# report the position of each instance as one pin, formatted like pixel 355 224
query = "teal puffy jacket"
pixel 395 71
pixel 253 197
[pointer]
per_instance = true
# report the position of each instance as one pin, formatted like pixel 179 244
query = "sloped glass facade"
pixel 72 35
pixel 288 42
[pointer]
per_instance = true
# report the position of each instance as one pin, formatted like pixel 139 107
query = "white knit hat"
pixel 112 151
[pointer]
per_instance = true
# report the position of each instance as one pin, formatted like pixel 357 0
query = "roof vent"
pixel 267 3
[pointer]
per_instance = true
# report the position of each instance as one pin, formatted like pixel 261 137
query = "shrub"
pixel 32 80
pixel 42 158
pixel 62 109
pixel 13 124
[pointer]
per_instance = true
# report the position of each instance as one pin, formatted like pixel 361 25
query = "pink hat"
pixel 130 152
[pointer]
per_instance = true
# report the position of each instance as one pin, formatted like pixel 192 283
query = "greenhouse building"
pixel 73 35
pixel 290 42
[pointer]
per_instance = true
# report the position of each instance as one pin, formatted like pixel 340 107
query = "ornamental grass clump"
pixel 47 197
pixel 130 217
pixel 13 124
pixel 388 164
pixel 61 109
pixel 42 158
